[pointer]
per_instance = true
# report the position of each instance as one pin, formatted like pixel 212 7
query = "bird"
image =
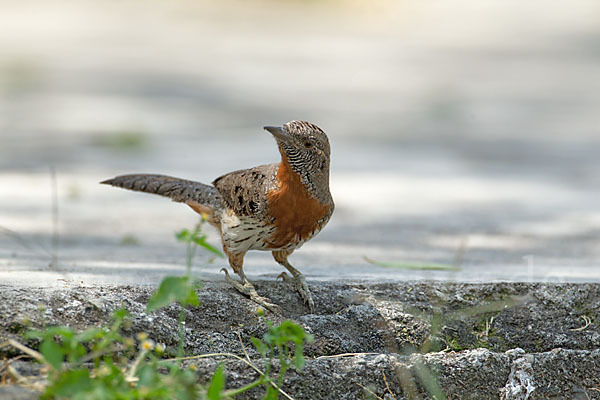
pixel 275 207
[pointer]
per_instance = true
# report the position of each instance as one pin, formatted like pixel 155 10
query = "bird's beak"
pixel 279 133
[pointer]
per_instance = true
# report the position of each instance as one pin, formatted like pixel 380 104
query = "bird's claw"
pixel 299 283
pixel 263 301
pixel 246 288
pixel 284 277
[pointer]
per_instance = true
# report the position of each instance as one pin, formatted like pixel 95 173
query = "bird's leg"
pixel 247 288
pixel 244 286
pixel 297 278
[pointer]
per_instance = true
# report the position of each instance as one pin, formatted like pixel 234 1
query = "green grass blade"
pixel 414 265
pixel 173 289
pixel 217 384
pixel 429 381
pixel 201 241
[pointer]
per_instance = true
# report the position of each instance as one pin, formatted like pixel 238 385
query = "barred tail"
pixel 180 190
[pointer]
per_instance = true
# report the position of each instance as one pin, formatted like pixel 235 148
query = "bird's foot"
pixel 299 283
pixel 247 288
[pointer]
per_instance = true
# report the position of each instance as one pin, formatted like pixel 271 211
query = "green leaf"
pixel 90 334
pixel 287 331
pixel 261 347
pixel 148 375
pixel 120 314
pixel 63 331
pixel 183 235
pixel 174 289
pixel 279 337
pixel 119 318
pixel 201 241
pixel 70 384
pixel 52 352
pixel 298 360
pixel 414 265
pixel 272 394
pixel 217 384
pixel 33 334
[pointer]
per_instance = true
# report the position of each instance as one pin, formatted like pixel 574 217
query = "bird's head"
pixel 305 147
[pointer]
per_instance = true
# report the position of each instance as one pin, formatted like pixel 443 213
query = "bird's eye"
pixel 308 144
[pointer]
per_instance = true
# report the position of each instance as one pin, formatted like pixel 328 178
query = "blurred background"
pixel 463 133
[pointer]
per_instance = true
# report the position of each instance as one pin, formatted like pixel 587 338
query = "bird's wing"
pixel 245 190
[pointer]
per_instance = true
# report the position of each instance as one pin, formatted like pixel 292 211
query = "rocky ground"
pixel 393 341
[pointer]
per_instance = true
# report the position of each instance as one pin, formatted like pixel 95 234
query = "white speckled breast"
pixel 243 233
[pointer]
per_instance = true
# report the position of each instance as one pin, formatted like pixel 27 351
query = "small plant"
pixel 276 343
pixel 104 363
pixel 95 364
pixel 193 239
pixel 182 289
pixel 284 343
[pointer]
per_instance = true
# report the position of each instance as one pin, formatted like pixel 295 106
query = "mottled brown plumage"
pixel 275 207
